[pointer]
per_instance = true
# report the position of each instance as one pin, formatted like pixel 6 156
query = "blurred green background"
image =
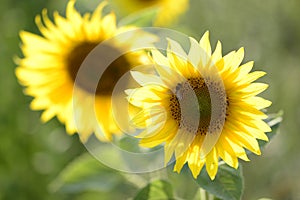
pixel 32 154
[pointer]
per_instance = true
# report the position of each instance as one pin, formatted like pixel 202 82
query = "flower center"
pixel 88 79
pixel 195 105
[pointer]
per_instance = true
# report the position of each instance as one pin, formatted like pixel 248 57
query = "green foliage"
pixel 227 185
pixel 141 19
pixel 273 121
pixel 86 175
pixel 159 189
pixel 130 144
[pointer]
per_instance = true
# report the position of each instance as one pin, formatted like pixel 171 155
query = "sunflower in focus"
pixel 51 63
pixel 202 106
pixel 168 10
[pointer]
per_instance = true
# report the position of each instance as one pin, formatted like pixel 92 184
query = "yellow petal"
pixel 258 102
pixel 212 163
pixel 194 53
pixel 232 148
pixel 159 58
pixel 205 45
pixel 238 58
pixel 245 141
pixel 180 161
pixel 217 55
pixel 182 141
pixel 243 128
pixel 146 79
pixel 109 25
pixel 161 136
pixel 251 77
pixel 227 157
pixel 43 45
pixel 194 161
pixel 169 76
pixel 251 90
pixel 176 48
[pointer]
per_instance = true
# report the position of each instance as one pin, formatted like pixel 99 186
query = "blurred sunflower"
pixel 202 106
pixel 168 10
pixel 51 63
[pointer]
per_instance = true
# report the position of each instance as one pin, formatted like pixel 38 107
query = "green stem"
pixel 202 194
pixel 211 197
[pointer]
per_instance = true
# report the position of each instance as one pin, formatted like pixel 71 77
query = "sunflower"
pixel 202 106
pixel 168 10
pixel 51 63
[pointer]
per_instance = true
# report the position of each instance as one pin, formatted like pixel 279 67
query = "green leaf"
pixel 228 184
pixel 130 144
pixel 158 189
pixel 143 18
pixel 86 173
pixel 273 121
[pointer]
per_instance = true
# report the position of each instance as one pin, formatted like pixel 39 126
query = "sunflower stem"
pixel 211 197
pixel 203 194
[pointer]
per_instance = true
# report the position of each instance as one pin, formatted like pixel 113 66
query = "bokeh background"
pixel 32 154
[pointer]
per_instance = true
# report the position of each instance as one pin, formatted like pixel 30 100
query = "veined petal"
pixel 227 157
pixel 244 129
pixel 238 58
pixel 169 75
pixel 251 90
pixel 217 55
pixel 146 79
pixel 205 45
pixel 44 45
pixel 109 24
pixel 180 161
pixel 159 58
pixel 72 13
pixel 228 59
pixel 245 141
pixel 165 134
pixel 258 102
pixel 176 48
pixel 245 69
pixel 97 14
pixel 194 161
pixel 182 140
pixel 253 76
pixel 232 148
pixel 194 53
pixel 212 163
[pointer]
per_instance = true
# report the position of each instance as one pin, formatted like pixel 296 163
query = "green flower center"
pixel 191 105
pixel 88 79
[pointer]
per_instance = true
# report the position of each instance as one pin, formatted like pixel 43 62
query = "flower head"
pixel 201 106
pixel 51 63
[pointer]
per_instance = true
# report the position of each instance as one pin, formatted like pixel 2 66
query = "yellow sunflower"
pixel 51 63
pixel 168 10
pixel 201 106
